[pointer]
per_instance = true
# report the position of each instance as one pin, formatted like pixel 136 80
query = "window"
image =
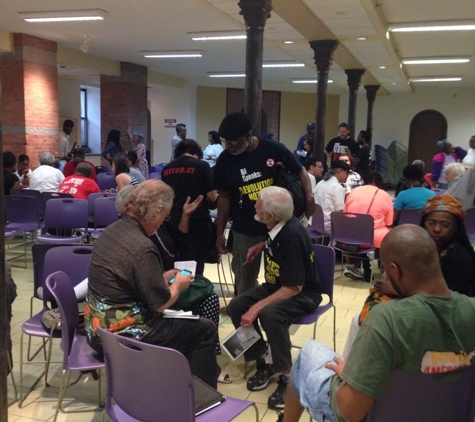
pixel 84 133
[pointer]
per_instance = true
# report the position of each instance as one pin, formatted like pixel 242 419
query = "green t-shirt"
pixel 418 334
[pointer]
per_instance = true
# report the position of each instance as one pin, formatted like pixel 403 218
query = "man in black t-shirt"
pixel 290 291
pixel 10 179
pixel 338 146
pixel 361 160
pixel 247 165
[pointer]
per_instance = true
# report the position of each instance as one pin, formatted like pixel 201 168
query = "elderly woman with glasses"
pixel 443 218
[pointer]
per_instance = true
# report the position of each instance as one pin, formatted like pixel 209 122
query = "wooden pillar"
pixel 354 81
pixel 255 13
pixel 3 298
pixel 323 55
pixel 371 97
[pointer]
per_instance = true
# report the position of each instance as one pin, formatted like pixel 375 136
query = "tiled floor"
pixel 41 403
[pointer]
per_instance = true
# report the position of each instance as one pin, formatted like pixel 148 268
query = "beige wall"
pixel 210 110
pixel 296 111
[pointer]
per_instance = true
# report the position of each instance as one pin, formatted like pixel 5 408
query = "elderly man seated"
pixel 46 178
pixel 291 290
pixel 128 290
pixel 334 389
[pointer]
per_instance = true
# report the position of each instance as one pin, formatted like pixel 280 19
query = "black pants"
pixel 196 339
pixel 275 320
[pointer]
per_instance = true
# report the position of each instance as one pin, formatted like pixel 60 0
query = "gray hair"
pixel 122 197
pixel 139 136
pixel 148 198
pixel 47 159
pixel 420 164
pixel 457 168
pixel 277 201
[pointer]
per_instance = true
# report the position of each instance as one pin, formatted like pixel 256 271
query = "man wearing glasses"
pixel 246 166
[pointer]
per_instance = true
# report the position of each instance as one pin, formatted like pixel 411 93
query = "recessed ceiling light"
pixel 361 39
pixel 64 15
pixel 226 74
pixel 436 79
pixel 435 60
pixel 217 35
pixel 288 42
pixel 171 54
pixel 308 81
pixel 433 26
pixel 283 64
pixel 382 67
pixel 393 83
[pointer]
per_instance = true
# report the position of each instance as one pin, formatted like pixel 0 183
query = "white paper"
pixel 186 265
pixel 239 341
pixel 172 313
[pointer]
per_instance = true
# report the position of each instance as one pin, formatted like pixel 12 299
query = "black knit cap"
pixel 338 164
pixel 235 125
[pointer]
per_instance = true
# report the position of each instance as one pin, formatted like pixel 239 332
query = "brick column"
pixel 29 100
pixel 124 102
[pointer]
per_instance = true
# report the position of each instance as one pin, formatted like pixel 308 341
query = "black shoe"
pixel 260 380
pixel 277 400
pixel 280 417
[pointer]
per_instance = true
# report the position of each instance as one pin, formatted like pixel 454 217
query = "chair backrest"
pixel 409 216
pixel 24 211
pixel 106 181
pixel 55 195
pixel 91 200
pixel 353 228
pixel 325 266
pixel 155 175
pixel 318 222
pixel 133 367
pixel 30 192
pixel 469 222
pixel 66 213
pixel 62 290
pixel 102 169
pixel 105 212
pixel 422 397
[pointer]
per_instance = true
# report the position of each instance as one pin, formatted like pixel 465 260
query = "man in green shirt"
pixel 430 330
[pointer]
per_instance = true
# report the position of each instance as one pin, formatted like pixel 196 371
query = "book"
pixel 172 313
pixel 186 265
pixel 206 397
pixel 239 341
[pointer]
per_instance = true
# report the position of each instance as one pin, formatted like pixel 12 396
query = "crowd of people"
pixel 428 269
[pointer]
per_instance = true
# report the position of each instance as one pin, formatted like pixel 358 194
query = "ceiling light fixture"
pixel 226 74
pixel 437 60
pixel 382 67
pixel 64 15
pixel 308 81
pixel 436 79
pixel 288 42
pixel 283 64
pixel 172 54
pixel 433 26
pixel 217 35
pixel 361 39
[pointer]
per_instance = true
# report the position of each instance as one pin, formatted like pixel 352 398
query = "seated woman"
pixel 213 150
pixel 120 168
pixel 415 196
pixel 453 174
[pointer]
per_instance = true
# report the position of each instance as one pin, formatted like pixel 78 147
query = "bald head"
pixel 411 260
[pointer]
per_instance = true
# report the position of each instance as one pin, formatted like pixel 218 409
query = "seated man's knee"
pixel 234 307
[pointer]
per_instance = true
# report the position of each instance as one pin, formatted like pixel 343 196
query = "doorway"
pixel 427 127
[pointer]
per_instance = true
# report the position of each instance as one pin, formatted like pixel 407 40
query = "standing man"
pixel 78 157
pixel 291 291
pixel 362 159
pixel 180 135
pixel 309 135
pixel 337 146
pixel 245 167
pixel 428 331
pixel 314 167
pixel 63 147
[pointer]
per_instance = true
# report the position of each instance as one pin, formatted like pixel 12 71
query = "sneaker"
pixel 260 380
pixel 350 272
pixel 277 399
pixel 280 416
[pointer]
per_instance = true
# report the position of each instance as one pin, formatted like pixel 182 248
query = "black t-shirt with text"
pixel 337 147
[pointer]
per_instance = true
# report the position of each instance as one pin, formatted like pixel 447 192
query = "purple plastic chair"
pixel 409 216
pixel 15 231
pixel 325 268
pixel 77 354
pixel 155 175
pixel 91 201
pixel 469 223
pixel 105 213
pixel 164 371
pixel 106 181
pixel 352 229
pixel 316 229
pixel 102 169
pixel 65 214
pixel 55 195
pixel 48 258
pixel 427 398
pixel 30 192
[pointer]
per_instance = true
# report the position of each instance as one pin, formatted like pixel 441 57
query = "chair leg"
pixel 334 328
pixel 221 283
pixel 10 367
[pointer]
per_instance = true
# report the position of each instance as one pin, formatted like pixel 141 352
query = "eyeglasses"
pixel 445 225
pixel 319 166
pixel 235 140
pixel 167 218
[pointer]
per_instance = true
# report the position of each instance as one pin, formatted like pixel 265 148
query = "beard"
pixel 235 151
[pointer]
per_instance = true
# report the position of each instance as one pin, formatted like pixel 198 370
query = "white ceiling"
pixel 163 25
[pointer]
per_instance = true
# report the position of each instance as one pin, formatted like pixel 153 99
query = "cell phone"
pixel 185 272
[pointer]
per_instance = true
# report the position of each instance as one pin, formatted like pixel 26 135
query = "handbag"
pixel 287 180
pixel 198 290
pixel 51 318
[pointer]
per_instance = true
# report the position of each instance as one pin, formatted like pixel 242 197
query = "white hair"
pixel 277 201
